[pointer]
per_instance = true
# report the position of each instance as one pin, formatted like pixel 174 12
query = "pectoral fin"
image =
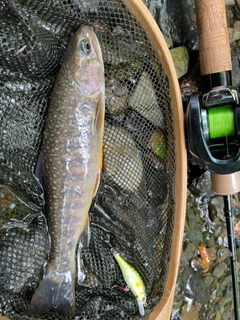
pixel 99 116
pixel 98 127
pixel 97 183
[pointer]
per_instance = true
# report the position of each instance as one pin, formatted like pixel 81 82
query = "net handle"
pixel 214 48
pixel 147 22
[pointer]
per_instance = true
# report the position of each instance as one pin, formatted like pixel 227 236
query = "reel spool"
pixel 213 129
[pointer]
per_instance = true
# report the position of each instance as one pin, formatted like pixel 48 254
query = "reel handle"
pixel 214 48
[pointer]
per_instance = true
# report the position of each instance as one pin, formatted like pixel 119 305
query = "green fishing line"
pixel 221 122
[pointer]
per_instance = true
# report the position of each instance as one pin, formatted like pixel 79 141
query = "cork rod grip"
pixel 214 49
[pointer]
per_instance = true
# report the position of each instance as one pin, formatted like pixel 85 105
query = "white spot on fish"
pixel 78 190
pixel 83 107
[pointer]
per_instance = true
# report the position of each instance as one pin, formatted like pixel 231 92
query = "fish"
pixel 72 164
pixel 133 281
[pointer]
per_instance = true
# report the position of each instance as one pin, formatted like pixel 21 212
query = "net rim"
pixel 141 13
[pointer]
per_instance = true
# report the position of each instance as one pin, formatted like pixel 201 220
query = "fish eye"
pixel 85 46
pixel 144 300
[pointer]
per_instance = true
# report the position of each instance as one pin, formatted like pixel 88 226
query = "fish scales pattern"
pixel 134 207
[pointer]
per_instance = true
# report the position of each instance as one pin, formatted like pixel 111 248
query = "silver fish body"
pixel 72 159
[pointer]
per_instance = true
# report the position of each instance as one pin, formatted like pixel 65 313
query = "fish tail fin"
pixel 55 293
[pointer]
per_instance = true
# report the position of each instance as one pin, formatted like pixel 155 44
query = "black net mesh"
pixel 133 210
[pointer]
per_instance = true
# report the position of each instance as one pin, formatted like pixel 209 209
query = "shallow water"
pixel 205 293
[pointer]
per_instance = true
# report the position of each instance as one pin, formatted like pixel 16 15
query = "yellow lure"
pixel 133 280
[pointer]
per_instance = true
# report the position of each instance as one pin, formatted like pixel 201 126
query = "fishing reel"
pixel 213 129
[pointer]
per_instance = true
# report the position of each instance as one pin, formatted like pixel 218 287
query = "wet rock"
pixel 114 51
pixel 227 281
pixel 234 33
pixel 230 3
pixel 179 295
pixel 188 85
pixel 193 285
pixel 194 233
pixel 216 208
pixel 228 314
pixel 121 161
pixel 197 264
pixel 169 42
pixel 214 297
pixel 176 19
pixel 208 280
pixel 213 253
pixel 223 241
pixel 116 96
pixel 219 270
pixel 189 252
pixel 158 144
pixel 180 59
pixel 238 3
pixel 202 185
pixel 210 241
pixel 219 315
pixel 220 235
pixel 190 312
pixel 144 101
pixel 223 254
pixel 235 70
pixel 196 287
pixel 176 311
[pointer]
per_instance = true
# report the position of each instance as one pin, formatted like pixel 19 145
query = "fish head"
pixel 87 61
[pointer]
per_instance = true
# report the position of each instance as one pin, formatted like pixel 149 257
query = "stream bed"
pixel 204 285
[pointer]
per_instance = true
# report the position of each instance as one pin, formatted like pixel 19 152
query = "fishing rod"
pixel 213 118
